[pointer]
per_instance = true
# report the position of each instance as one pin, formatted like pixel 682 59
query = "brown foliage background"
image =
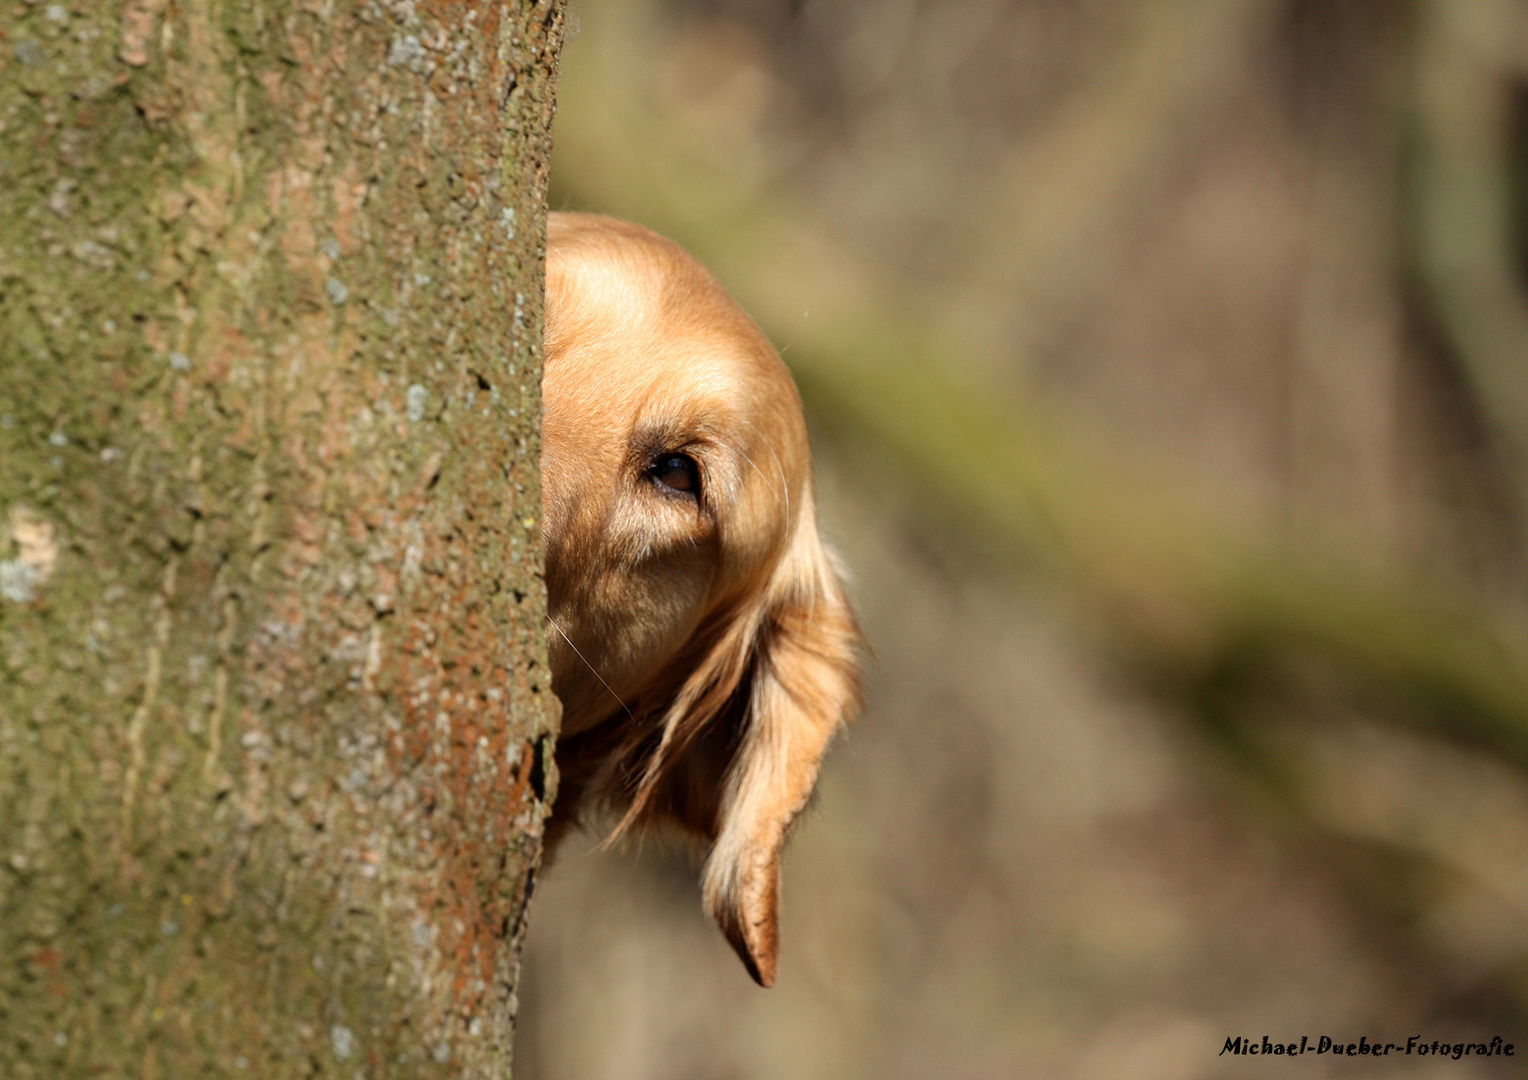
pixel 1166 362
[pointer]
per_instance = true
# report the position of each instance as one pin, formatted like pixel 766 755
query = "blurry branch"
pixel 1210 613
pixel 1467 57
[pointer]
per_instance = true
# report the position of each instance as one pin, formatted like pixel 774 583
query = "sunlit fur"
pixel 703 649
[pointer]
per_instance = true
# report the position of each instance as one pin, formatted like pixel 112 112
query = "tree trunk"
pixel 275 727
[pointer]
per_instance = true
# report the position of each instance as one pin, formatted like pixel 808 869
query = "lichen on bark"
pixel 275 724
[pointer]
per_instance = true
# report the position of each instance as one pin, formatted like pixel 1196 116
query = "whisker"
pixel 591 667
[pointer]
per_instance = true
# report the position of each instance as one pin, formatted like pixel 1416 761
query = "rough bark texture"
pixel 275 726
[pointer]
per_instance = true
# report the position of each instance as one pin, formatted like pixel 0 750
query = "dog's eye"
pixel 677 472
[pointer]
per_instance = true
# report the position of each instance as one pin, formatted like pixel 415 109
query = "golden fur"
pixel 700 641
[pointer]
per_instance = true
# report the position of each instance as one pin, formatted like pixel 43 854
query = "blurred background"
pixel 1167 364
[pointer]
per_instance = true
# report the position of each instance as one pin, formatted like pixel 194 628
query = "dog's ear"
pixel 803 685
pixel 745 780
pixel 736 752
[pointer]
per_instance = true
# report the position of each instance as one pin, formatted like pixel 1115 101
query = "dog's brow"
pixel 785 489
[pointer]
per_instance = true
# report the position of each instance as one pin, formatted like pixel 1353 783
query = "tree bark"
pixel 275 723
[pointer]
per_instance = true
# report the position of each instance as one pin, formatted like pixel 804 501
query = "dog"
pixel 699 636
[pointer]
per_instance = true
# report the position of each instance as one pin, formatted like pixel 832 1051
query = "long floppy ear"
pixel 802 683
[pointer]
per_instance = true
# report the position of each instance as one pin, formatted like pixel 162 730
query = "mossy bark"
pixel 275 725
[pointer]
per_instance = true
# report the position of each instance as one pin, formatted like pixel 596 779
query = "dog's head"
pixel 701 643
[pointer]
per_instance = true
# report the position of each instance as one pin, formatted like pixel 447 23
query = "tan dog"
pixel 701 643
